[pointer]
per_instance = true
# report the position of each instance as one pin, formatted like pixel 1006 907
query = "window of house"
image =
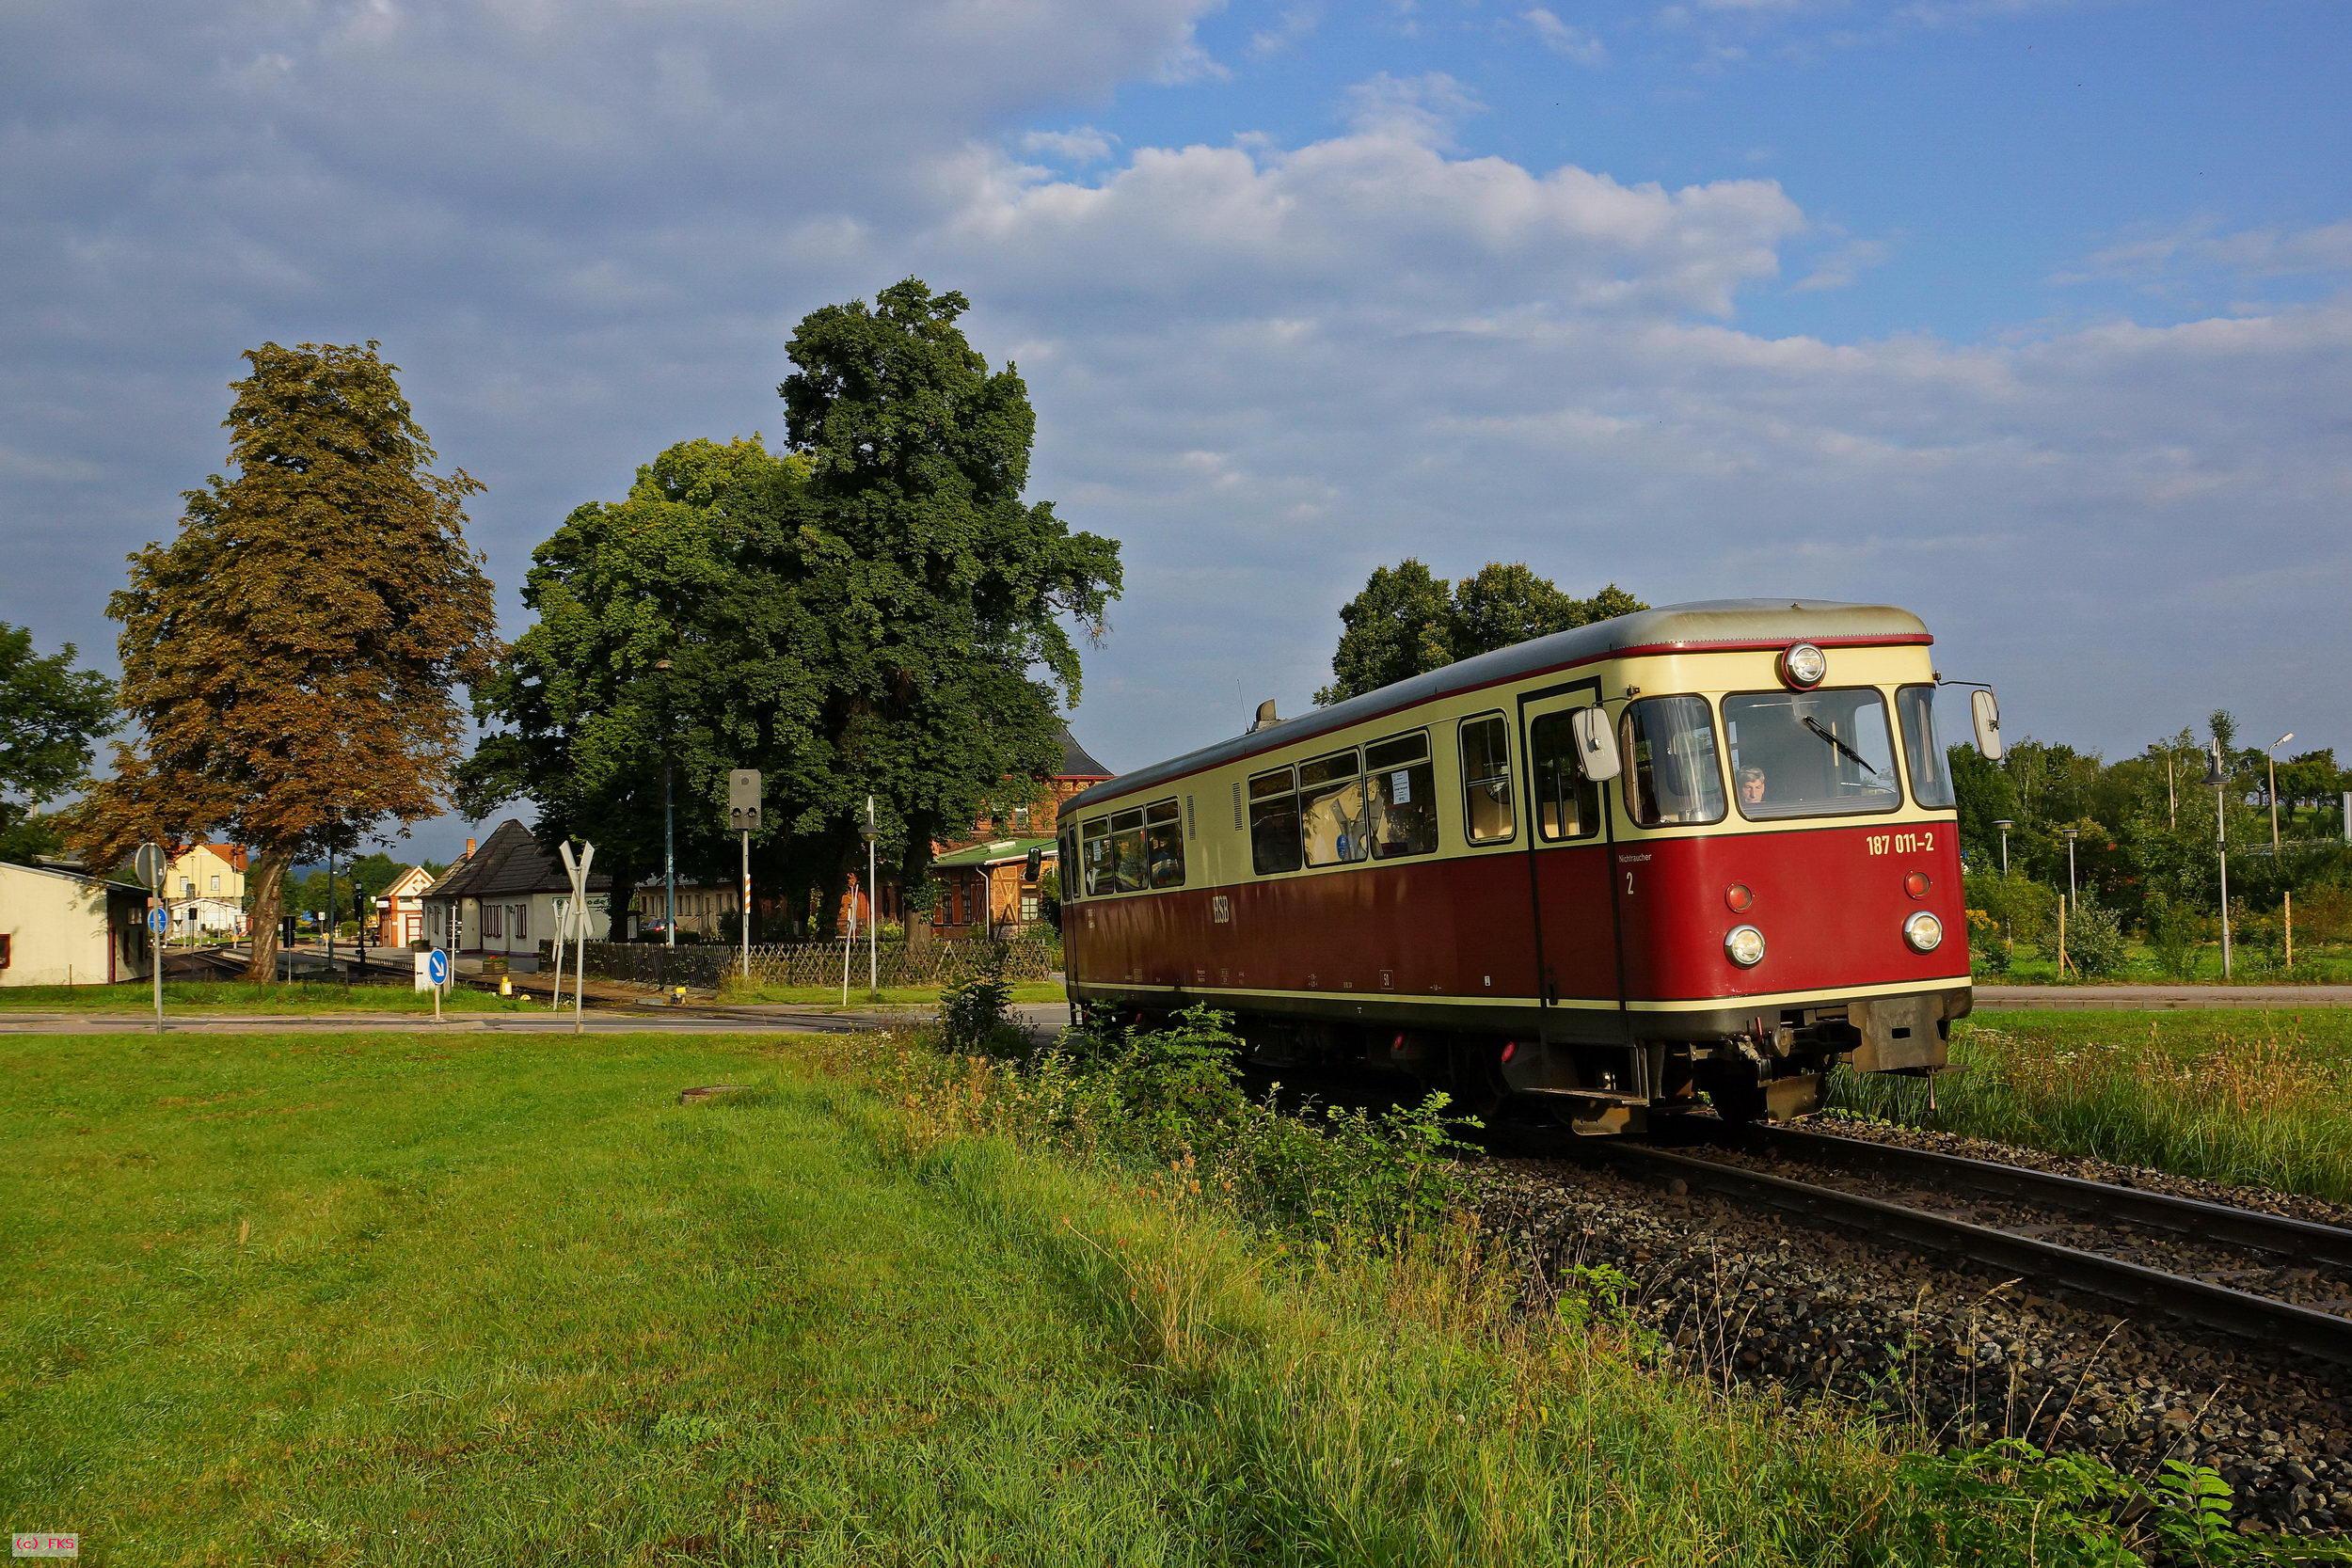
pixel 188 887
pixel 492 920
pixel 1568 805
pixel 1127 852
pixel 1164 843
pixel 1028 909
pixel 1274 822
pixel 1930 769
pixel 1487 815
pixel 1020 819
pixel 3 950
pixel 1331 817
pixel 1811 754
pixel 522 922
pixel 216 881
pixel 1674 775
pixel 1403 791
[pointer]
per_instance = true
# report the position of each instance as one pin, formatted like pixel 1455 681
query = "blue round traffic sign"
pixel 437 966
pixel 157 919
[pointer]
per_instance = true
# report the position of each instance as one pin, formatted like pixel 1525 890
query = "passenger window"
pixel 1098 876
pixel 1404 815
pixel 1331 813
pixel 1127 852
pixel 1486 779
pixel 1273 822
pixel 1164 843
pixel 1568 805
pixel 1065 863
pixel 1674 777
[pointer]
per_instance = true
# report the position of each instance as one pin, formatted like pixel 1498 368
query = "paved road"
pixel 1990 997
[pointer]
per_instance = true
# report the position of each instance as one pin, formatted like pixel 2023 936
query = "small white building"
pixel 500 901
pixel 62 928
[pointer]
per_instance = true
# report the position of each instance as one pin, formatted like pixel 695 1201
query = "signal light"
pixel 1744 946
pixel 1916 884
pixel 1923 932
pixel 1736 898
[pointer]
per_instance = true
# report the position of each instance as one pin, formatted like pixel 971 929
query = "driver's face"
pixel 1752 791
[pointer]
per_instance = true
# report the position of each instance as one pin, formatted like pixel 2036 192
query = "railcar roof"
pixel 1670 628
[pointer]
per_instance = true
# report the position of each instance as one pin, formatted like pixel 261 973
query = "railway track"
pixel 2280 1283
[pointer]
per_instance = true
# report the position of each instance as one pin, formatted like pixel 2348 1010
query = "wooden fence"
pixel 1028 956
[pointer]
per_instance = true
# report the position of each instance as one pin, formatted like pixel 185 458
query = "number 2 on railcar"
pixel 1705 851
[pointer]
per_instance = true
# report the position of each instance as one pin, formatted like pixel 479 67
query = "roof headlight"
pixel 1803 666
pixel 1923 932
pixel 1744 946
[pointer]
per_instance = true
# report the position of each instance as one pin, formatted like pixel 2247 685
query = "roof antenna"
pixel 1267 718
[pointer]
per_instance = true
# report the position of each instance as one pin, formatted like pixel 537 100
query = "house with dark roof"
pixel 501 900
pixel 988 883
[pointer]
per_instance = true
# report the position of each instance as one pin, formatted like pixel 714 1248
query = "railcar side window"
pixel 1274 822
pixel 1404 812
pixel 1164 843
pixel 1568 804
pixel 1098 876
pixel 1487 807
pixel 1127 875
pixel 1066 861
pixel 1674 776
pixel 1930 769
pixel 1811 754
pixel 1331 810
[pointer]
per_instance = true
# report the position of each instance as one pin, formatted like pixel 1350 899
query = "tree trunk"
pixel 268 882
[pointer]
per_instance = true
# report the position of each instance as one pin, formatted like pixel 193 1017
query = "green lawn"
pixel 326 1299
pixel 2254 1097
pixel 893 996
pixel 2316 964
pixel 238 996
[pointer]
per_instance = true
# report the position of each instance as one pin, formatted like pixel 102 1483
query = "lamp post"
pixel 2005 825
pixel 2071 900
pixel 2272 751
pixel 871 830
pixel 333 816
pixel 669 835
pixel 2220 779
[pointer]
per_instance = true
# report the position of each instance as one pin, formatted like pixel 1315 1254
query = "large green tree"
pixel 292 659
pixel 880 610
pixel 50 715
pixel 1408 621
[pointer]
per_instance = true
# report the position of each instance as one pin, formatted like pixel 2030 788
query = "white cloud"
pixel 1841 266
pixel 1079 145
pixel 2205 247
pixel 1294 24
pixel 1569 42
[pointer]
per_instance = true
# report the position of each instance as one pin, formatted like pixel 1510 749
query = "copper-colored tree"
pixel 290 660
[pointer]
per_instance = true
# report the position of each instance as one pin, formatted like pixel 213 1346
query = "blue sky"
pixel 2030 315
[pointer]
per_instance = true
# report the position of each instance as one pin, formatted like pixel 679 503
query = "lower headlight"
pixel 1923 932
pixel 1744 946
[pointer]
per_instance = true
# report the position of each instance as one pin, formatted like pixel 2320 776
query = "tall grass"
pixel 2253 1098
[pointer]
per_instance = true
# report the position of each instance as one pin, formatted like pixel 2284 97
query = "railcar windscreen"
pixel 1674 777
pixel 1403 786
pixel 1811 754
pixel 1568 805
pixel 1486 809
pixel 1931 772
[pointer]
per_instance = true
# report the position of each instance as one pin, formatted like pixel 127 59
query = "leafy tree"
pixel 1407 621
pixel 692 570
pixel 291 659
pixel 50 713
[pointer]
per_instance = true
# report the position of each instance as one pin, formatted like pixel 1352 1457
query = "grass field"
pixel 238 996
pixel 2257 1097
pixel 394 1299
pixel 2316 964
pixel 892 996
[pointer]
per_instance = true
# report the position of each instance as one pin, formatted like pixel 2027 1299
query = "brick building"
pixel 985 881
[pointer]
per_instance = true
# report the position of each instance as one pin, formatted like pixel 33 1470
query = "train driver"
pixel 1751 786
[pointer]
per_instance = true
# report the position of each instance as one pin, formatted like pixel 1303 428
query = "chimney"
pixel 469 854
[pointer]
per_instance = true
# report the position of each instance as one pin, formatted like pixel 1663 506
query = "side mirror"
pixel 1985 710
pixel 1596 745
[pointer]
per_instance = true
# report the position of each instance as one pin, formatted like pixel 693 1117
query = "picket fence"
pixel 1025 956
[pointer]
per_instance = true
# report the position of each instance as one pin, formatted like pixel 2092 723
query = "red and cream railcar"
pixel 1741 867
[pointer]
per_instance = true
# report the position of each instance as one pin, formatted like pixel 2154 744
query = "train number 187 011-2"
pixel 1920 843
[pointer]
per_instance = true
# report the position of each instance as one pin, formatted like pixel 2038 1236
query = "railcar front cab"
pixel 1785 871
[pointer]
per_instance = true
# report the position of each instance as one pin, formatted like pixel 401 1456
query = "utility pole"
pixel 2221 846
pixel 2171 801
pixel 2072 898
pixel 873 905
pixel 669 835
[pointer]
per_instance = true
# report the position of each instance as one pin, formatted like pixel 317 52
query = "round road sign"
pixel 157 918
pixel 437 967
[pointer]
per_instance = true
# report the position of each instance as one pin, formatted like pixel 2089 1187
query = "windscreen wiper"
pixel 1815 725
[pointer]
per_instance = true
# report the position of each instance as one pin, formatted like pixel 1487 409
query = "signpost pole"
pixel 563 922
pixel 155 956
pixel 152 868
pixel 873 908
pixel 745 910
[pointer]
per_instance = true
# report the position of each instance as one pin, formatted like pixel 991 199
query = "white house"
pixel 500 901
pixel 61 927
pixel 400 907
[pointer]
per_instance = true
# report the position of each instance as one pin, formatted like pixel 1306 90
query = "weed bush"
pixel 975 1017
pixel 2173 931
pixel 2095 939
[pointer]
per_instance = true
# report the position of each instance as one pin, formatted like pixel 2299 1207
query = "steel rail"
pixel 2299 1240
pixel 2275 1324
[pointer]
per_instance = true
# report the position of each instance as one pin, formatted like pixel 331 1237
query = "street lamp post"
pixel 2005 825
pixel 2272 751
pixel 2072 900
pixel 668 833
pixel 2221 848
pixel 872 830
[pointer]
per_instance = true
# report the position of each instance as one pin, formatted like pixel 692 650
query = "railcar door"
pixel 1573 902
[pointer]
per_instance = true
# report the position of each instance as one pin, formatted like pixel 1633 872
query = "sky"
pixel 2032 316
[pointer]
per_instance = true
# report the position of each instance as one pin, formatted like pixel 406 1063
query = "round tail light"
pixel 1916 884
pixel 1736 898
